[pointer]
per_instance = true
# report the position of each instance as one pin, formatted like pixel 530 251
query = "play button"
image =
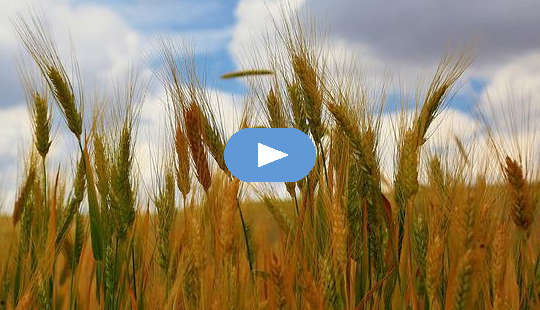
pixel 266 155
pixel 270 155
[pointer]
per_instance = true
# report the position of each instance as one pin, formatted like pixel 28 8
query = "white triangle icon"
pixel 266 155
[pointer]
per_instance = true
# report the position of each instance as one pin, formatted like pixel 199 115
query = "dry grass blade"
pixel 79 186
pixel 246 73
pixel 94 212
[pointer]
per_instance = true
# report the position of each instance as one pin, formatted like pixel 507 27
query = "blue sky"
pixel 405 39
pixel 197 21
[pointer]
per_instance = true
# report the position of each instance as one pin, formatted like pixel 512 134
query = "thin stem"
pixel 296 205
pixel 323 158
pixel 115 273
pixel 71 284
pixel 44 167
pixel 244 228
pixel 98 295
pixel 408 222
pixel 133 277
pixel 82 150
pixel 45 202
pixel 185 212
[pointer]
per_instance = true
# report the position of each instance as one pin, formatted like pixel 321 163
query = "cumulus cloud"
pixel 15 132
pixel 102 40
pixel 16 127
pixel 254 29
pixel 516 82
pixel 510 105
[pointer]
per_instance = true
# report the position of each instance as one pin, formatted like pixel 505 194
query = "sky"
pixel 405 38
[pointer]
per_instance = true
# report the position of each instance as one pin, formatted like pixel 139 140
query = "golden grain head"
pixel 521 207
pixel 182 161
pixel 198 152
pixel 63 93
pixel 42 124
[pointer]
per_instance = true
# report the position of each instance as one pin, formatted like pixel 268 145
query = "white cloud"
pixel 510 102
pixel 515 83
pixel 16 128
pixel 14 140
pixel 104 42
pixel 254 29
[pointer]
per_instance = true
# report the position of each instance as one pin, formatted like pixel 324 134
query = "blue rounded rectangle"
pixel 270 154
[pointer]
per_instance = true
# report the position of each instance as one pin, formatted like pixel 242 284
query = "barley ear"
pixel 434 269
pixel 448 72
pixel 182 161
pixel 198 153
pixel 24 191
pixel 276 116
pixel 41 123
pixel 462 285
pixel 308 78
pixel 63 92
pixel 522 209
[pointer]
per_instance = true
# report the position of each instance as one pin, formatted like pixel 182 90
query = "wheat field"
pixel 441 232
